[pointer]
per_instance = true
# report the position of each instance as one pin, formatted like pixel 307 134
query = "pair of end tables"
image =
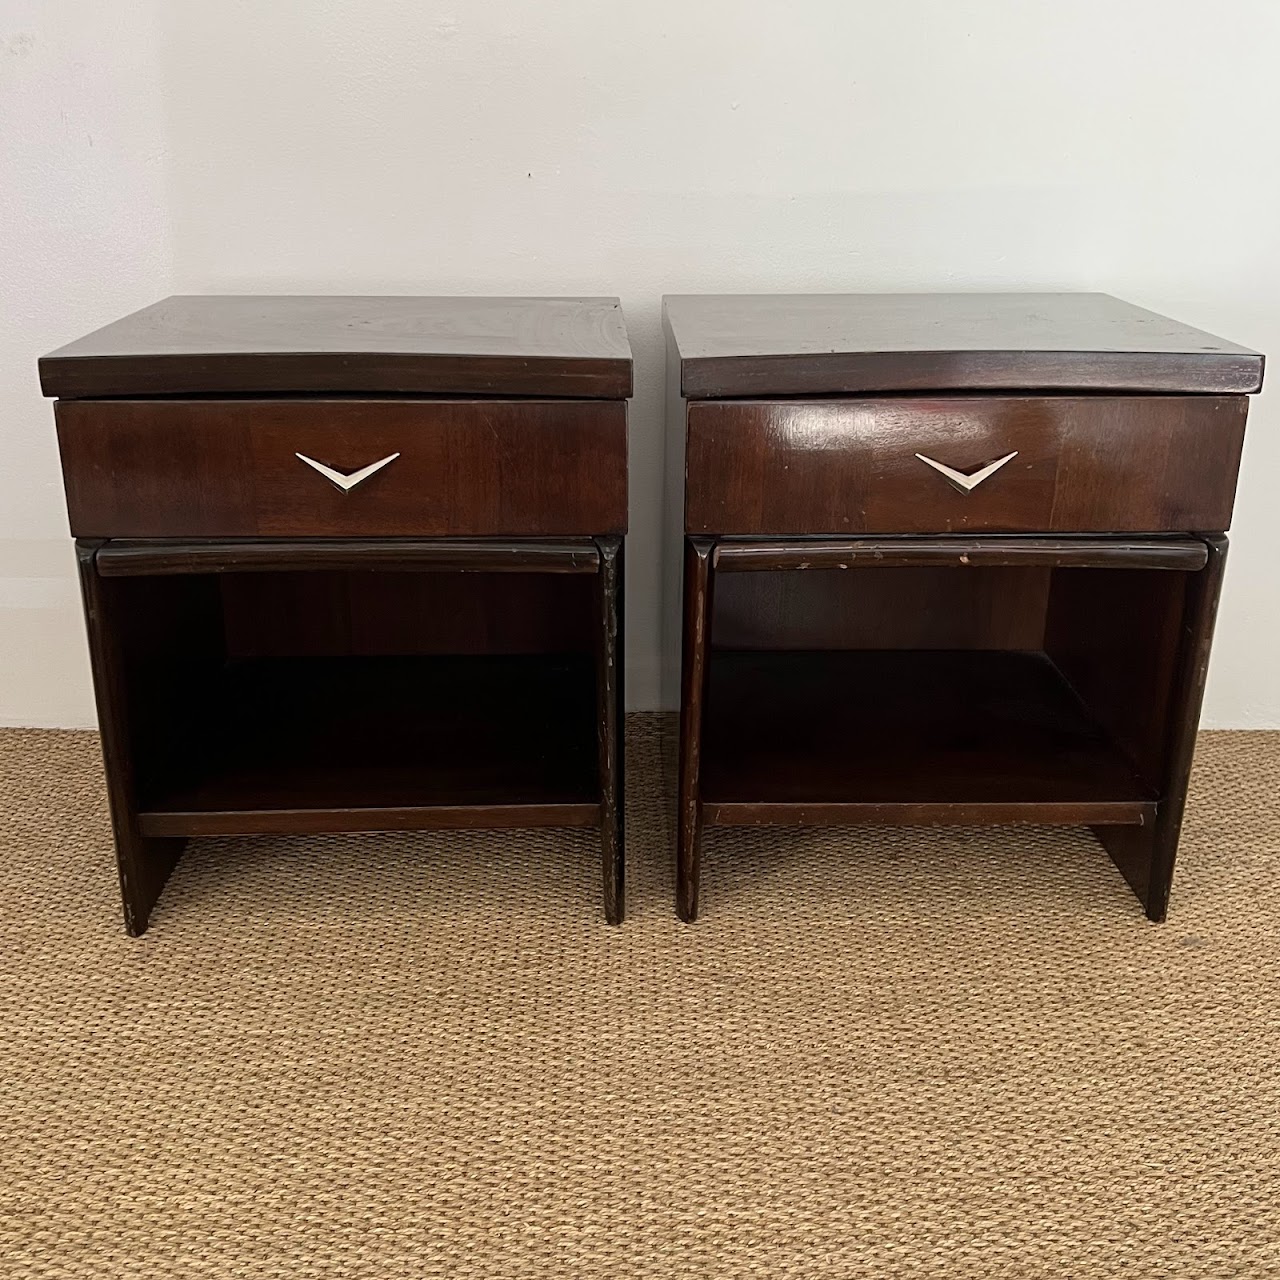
pixel 356 564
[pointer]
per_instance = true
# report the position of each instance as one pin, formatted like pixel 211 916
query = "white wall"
pixel 577 146
pixel 84 235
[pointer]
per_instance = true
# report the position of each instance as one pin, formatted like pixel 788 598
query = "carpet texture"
pixel 879 1053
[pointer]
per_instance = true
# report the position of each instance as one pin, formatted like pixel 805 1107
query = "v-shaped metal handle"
pixel 347 482
pixel 967 483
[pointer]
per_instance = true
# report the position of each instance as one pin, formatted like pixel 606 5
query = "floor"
pixel 879 1052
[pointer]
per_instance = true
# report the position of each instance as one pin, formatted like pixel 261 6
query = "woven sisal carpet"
pixel 879 1053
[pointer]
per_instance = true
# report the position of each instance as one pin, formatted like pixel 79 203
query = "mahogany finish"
pixel 508 740
pixel 319 816
pixel 438 646
pixel 923 553
pixel 1102 464
pixel 408 611
pixel 238 345
pixel 939 734
pixel 610 724
pixel 229 468
pixel 694 673
pixel 144 862
pixel 878 606
pixel 865 641
pixel 847 344
pixel 123 558
pixel 1146 857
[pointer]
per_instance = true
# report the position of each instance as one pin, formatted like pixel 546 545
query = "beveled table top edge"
pixel 760 345
pixel 229 344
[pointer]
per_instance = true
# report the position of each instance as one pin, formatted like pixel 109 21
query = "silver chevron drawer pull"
pixel 349 482
pixel 967 483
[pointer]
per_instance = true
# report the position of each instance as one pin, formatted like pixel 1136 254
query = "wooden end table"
pixel 947 559
pixel 351 564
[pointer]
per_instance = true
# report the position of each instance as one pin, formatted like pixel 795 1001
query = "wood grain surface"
pixel 210 344
pixel 229 468
pixel 829 344
pixel 1102 464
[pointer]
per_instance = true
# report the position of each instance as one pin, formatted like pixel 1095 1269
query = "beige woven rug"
pixel 879 1053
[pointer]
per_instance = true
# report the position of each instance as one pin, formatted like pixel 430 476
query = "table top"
pixel 836 344
pixel 236 344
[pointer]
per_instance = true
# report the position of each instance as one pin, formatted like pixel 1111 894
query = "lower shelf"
pixel 910 736
pixel 375 744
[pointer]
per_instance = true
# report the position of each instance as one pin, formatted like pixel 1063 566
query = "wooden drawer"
pixel 1074 464
pixel 230 468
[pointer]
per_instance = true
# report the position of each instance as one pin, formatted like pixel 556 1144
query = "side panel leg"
pixel 144 862
pixel 611 722
pixel 696 644
pixel 1145 855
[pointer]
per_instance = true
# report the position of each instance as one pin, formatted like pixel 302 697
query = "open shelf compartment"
pixel 352 744
pixel 937 681
pixel 901 736
pixel 341 699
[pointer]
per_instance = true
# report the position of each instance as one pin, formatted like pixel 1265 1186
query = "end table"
pixel 947 559
pixel 351 564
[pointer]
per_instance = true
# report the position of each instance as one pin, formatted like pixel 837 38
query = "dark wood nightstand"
pixel 947 559
pixel 351 564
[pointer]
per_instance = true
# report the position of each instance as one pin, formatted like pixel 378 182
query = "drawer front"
pixel 223 468
pixel 1122 464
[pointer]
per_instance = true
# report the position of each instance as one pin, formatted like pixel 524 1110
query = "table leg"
pixel 611 721
pixel 144 862
pixel 696 646
pixel 1145 855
